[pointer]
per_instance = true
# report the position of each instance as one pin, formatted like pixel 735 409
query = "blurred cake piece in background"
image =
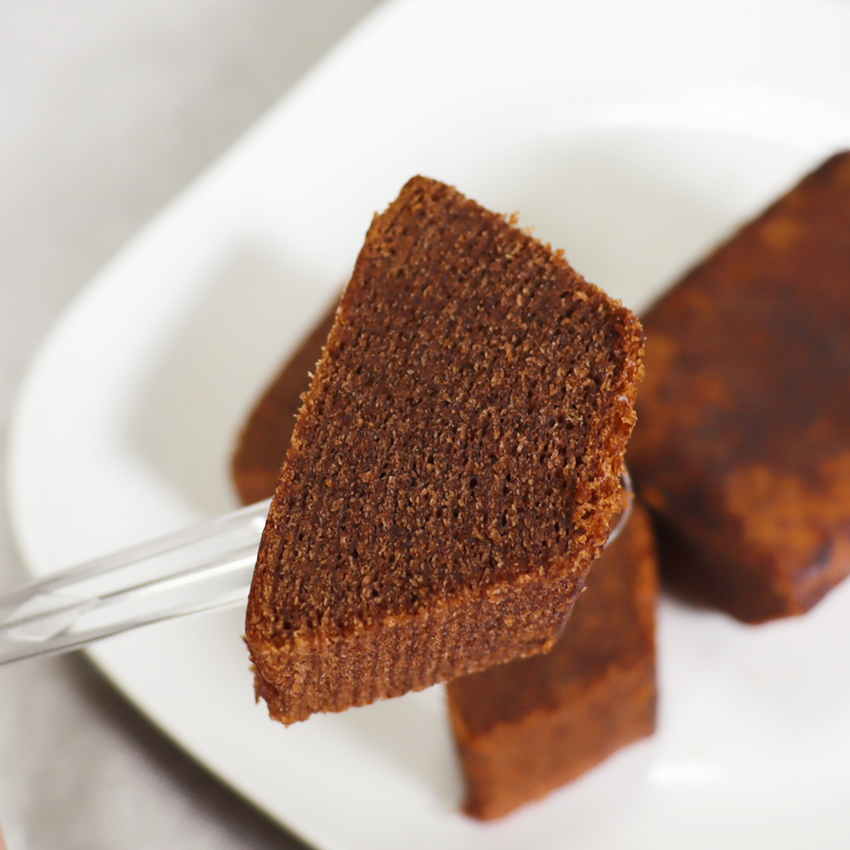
pixel 742 450
pixel 524 728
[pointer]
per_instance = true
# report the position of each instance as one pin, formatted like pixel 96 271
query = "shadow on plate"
pixel 412 735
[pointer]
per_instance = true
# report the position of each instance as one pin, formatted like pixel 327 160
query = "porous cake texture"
pixel 743 447
pixel 453 469
pixel 265 437
pixel 527 727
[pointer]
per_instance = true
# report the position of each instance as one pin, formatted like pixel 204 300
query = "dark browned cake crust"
pixel 453 469
pixel 525 728
pixel 743 448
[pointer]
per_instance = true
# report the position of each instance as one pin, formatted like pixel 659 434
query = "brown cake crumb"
pixel 267 433
pixel 453 469
pixel 743 448
pixel 527 727
pixel 531 725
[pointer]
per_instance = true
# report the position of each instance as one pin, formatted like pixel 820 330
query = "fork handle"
pixel 203 568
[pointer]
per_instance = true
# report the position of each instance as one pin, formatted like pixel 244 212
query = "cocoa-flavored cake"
pixel 527 727
pixel 267 433
pixel 453 469
pixel 743 447
pixel 531 725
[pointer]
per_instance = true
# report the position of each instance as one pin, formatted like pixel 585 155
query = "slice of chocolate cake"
pixel 454 467
pixel 266 435
pixel 743 448
pixel 527 727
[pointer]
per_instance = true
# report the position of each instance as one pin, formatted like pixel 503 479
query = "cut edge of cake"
pixel 314 669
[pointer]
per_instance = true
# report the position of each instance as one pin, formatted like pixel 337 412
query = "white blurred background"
pixel 107 110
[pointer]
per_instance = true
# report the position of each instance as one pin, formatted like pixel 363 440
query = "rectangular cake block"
pixel 454 466
pixel 743 447
pixel 527 727
pixel 267 433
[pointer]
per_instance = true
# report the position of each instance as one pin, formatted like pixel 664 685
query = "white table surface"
pixel 107 110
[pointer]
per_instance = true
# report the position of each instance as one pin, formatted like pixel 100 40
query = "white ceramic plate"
pixel 635 135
